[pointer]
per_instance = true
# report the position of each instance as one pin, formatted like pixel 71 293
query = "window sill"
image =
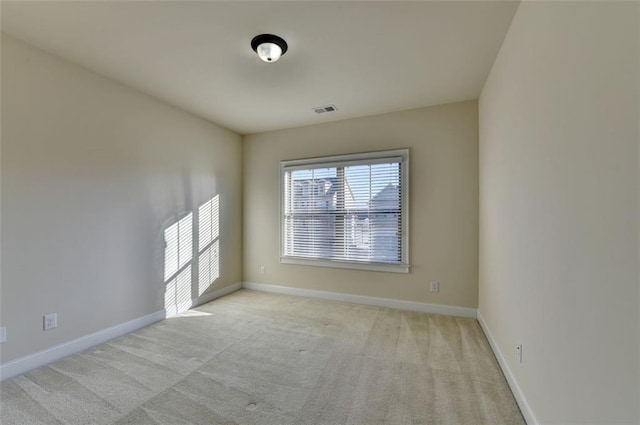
pixel 377 267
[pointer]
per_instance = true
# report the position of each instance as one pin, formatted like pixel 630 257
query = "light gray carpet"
pixel 258 358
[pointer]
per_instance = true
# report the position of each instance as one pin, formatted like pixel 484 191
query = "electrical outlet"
pixel 435 286
pixel 263 269
pixel 519 352
pixel 3 334
pixel 50 321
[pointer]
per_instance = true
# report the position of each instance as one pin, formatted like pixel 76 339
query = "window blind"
pixel 349 210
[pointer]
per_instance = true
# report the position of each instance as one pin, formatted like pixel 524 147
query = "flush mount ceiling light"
pixel 269 47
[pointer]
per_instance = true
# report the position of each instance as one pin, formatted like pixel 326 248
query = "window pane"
pixel 313 190
pixel 348 213
pixel 373 219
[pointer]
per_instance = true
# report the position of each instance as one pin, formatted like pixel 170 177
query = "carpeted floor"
pixel 258 358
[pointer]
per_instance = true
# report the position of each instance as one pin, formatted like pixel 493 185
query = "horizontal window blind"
pixel 345 211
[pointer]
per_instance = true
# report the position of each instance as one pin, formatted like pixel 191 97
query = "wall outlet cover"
pixel 50 321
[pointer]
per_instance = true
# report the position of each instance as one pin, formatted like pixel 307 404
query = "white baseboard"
pixel 26 363
pixel 361 299
pixel 210 296
pixel 202 299
pixel 525 408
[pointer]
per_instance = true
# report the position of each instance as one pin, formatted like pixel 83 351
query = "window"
pixel 347 211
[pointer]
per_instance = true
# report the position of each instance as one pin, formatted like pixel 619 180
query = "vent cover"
pixel 326 108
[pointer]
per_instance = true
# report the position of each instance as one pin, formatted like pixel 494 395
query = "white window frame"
pixel 342 160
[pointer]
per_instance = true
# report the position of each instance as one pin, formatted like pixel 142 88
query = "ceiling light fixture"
pixel 269 47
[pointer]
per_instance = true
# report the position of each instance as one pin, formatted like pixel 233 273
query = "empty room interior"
pixel 312 212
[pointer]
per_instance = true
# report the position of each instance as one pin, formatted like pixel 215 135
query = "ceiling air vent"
pixel 323 109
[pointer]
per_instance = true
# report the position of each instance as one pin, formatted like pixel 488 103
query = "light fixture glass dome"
pixel 269 47
pixel 269 52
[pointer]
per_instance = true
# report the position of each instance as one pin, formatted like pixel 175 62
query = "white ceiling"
pixel 364 57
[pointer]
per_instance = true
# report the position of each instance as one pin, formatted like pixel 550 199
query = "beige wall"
pixel 559 209
pixel 92 174
pixel 443 143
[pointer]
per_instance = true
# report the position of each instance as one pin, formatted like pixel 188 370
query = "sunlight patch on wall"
pixel 209 222
pixel 178 253
pixel 209 244
pixel 177 296
pixel 209 265
pixel 178 250
pixel 191 256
